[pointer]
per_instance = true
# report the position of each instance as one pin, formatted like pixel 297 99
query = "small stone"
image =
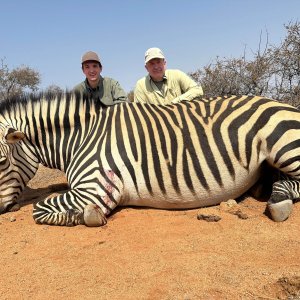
pixel 12 219
pixel 231 203
pixel 225 206
pixel 241 215
pixel 208 218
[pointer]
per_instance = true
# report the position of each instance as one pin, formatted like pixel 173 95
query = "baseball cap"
pixel 90 56
pixel 153 53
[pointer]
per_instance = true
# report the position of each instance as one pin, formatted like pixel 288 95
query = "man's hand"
pixel 176 100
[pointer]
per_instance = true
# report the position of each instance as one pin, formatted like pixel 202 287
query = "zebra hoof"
pixel 93 216
pixel 281 211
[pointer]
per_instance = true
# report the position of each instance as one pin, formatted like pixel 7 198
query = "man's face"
pixel 91 70
pixel 156 68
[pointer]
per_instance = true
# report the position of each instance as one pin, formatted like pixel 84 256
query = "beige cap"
pixel 90 56
pixel 153 53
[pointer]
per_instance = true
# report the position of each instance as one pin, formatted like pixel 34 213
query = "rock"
pixel 231 203
pixel 228 204
pixel 240 214
pixel 208 218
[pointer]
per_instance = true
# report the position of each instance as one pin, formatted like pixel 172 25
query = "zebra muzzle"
pixel 9 207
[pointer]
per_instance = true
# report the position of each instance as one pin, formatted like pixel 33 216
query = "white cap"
pixel 153 53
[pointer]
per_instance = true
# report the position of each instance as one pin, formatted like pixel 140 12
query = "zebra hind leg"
pixel 280 203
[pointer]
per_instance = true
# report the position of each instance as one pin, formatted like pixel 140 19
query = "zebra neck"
pixel 53 127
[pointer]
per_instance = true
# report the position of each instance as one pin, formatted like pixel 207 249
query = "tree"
pixel 54 89
pixel 130 96
pixel 235 76
pixel 273 72
pixel 286 66
pixel 17 81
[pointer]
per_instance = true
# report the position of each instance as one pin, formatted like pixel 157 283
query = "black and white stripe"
pixel 187 155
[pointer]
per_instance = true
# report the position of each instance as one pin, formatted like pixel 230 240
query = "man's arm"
pixel 191 90
pixel 79 88
pixel 118 93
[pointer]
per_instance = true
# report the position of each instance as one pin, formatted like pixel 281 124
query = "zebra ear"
pixel 13 136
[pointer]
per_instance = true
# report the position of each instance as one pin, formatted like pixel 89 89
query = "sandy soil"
pixel 150 254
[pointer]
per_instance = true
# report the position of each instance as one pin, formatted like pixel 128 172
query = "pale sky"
pixel 51 36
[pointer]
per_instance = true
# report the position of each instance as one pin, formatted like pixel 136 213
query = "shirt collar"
pixel 90 88
pixel 164 78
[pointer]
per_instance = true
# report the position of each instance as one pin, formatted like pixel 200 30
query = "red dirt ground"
pixel 149 253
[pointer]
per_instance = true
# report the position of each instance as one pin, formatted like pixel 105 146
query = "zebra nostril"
pixel 2 208
pixel 12 206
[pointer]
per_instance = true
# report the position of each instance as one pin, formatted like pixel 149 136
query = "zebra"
pixel 187 155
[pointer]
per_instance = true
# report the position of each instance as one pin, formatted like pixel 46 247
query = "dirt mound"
pixel 232 252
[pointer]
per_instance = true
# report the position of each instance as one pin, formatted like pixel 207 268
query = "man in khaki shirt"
pixel 163 86
pixel 104 90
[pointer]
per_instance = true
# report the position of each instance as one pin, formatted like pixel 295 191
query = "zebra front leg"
pixel 87 203
pixel 76 207
pixel 280 203
pixel 56 211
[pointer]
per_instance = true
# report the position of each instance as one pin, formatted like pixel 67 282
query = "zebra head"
pixel 17 166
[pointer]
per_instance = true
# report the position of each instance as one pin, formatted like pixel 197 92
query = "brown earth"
pixel 150 254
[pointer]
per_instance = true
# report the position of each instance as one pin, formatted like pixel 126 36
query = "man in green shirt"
pixel 163 86
pixel 105 91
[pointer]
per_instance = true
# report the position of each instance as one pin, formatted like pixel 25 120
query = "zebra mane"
pixel 10 103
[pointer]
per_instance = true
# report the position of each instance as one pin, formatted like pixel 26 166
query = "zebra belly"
pixel 187 198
